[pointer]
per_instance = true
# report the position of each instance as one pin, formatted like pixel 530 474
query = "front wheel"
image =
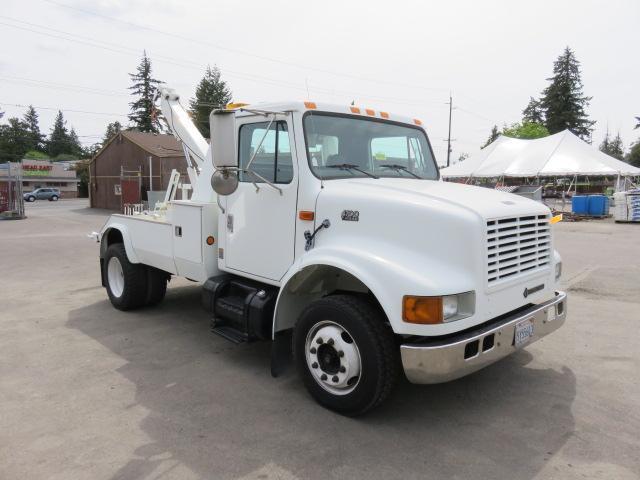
pixel 346 354
pixel 31 198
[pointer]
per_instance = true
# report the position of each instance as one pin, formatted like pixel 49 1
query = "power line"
pixel 241 52
pixel 62 86
pixel 65 110
pixel 190 64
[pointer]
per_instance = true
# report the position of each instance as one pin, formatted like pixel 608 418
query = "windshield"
pixel 343 146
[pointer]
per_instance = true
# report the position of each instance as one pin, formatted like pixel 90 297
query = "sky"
pixel 400 56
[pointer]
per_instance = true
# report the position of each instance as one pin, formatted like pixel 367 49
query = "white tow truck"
pixel 328 231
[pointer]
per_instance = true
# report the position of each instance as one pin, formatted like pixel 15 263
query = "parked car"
pixel 51 194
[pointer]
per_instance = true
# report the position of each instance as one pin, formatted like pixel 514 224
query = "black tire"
pixel 54 198
pixel 379 359
pixel 134 294
pixel 31 198
pixel 156 285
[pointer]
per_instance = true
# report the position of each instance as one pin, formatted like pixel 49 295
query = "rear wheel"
pixel 346 354
pixel 156 285
pixel 126 282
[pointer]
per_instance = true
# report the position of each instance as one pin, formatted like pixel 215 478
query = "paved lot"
pixel 87 392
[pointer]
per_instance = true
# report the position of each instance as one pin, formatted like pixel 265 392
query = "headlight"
pixel 558 270
pixel 433 310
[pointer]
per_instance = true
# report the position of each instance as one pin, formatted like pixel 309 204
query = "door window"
pixel 273 159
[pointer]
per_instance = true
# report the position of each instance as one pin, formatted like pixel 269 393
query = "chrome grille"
pixel 517 246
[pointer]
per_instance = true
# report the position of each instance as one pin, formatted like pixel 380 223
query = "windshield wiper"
pixel 401 168
pixel 351 166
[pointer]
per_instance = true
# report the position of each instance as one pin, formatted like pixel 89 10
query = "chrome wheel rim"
pixel 333 358
pixel 115 275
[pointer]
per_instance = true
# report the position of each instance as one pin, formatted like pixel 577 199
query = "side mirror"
pixel 223 138
pixel 224 181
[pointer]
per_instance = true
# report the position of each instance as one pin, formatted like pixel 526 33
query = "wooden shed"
pixel 130 164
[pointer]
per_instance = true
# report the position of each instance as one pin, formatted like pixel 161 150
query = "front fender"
pixel 389 273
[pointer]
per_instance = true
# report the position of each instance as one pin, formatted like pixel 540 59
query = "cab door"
pixel 260 219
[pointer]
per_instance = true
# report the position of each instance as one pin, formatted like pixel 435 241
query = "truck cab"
pixel 327 230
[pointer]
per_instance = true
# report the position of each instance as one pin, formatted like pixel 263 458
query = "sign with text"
pixel 36 170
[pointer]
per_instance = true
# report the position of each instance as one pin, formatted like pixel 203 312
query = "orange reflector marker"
pixel 310 105
pixel 354 109
pixel 422 310
pixel 384 114
pixel 370 112
pixel 556 219
pixel 306 215
pixel 210 240
pixel 417 122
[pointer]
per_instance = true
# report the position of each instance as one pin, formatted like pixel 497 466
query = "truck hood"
pixel 485 202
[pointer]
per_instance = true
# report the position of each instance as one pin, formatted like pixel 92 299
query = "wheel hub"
pixel 115 276
pixel 333 358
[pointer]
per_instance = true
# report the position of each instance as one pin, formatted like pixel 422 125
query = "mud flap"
pixel 281 353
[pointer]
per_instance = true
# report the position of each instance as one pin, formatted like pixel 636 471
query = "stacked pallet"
pixel 627 207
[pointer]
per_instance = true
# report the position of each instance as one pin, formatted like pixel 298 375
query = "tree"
pixel 31 120
pixel 493 136
pixel 112 129
pixel 533 112
pixel 563 102
pixel 74 144
pixel 463 156
pixel 527 130
pixel 82 173
pixel 59 141
pixel 143 112
pixel 633 157
pixel 614 148
pixel 15 140
pixel 637 124
pixel 211 92
pixel 36 155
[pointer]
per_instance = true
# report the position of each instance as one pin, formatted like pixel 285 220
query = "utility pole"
pixel 449 137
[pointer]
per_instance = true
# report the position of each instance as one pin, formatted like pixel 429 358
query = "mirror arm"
pixel 255 152
pixel 264 180
pixel 220 205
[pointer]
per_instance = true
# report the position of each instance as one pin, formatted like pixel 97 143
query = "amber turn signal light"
pixel 422 310
pixel 210 240
pixel 310 105
pixel 306 215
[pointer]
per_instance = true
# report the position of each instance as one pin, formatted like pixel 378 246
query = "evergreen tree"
pixel 533 112
pixel 633 157
pixel 493 136
pixel 563 102
pixel 212 92
pixel 112 129
pixel 59 141
pixel 74 144
pixel 15 140
pixel 614 148
pixel 31 120
pixel 606 143
pixel 143 112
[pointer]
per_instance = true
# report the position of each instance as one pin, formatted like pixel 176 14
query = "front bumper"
pixel 441 360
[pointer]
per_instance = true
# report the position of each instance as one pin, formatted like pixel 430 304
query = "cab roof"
pixel 304 106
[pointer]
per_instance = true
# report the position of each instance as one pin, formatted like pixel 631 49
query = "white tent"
pixel 559 155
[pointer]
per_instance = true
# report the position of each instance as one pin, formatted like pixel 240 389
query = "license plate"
pixel 524 332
